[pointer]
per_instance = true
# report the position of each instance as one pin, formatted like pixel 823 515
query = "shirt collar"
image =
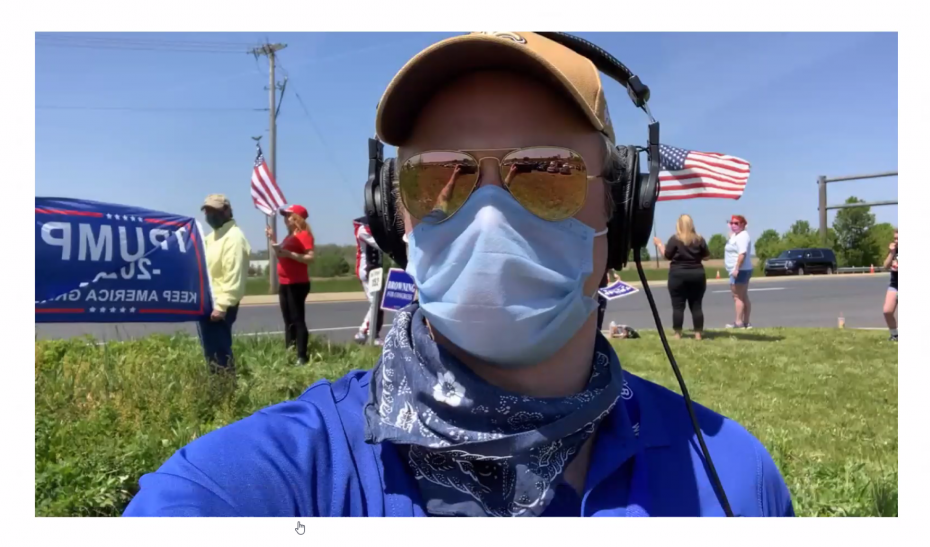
pixel 618 439
pixel 652 431
pixel 619 429
pixel 221 231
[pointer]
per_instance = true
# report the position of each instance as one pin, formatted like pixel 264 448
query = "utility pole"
pixel 822 208
pixel 270 50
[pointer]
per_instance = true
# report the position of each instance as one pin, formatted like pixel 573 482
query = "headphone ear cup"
pixel 622 191
pixel 381 211
pixel 644 214
pixel 392 220
pixel 374 210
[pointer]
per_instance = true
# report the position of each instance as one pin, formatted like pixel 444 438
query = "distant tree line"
pixel 330 260
pixel 855 238
pixel 337 260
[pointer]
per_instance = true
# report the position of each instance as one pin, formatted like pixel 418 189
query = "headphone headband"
pixel 606 63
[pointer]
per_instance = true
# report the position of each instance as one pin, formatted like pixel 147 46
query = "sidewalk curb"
pixel 334 297
pixel 313 298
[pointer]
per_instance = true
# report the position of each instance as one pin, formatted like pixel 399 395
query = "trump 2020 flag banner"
pixel 105 263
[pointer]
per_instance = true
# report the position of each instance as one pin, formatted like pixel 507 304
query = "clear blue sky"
pixel 795 105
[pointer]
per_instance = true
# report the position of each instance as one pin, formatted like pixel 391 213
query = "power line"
pixel 329 152
pixel 105 39
pixel 127 48
pixel 139 44
pixel 153 108
pixel 136 37
pixel 380 47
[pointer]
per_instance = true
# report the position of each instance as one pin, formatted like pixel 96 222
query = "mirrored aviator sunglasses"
pixel 550 182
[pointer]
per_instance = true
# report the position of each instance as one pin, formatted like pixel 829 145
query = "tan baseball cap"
pixel 216 201
pixel 527 52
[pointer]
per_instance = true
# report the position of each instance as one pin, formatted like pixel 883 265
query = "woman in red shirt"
pixel 294 255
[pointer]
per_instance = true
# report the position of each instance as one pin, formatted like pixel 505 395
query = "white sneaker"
pixel 738 326
pixel 361 337
pixel 379 342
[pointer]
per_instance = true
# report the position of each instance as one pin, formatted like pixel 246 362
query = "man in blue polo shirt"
pixel 495 394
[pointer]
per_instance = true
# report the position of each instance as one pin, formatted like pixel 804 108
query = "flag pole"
pixel 655 234
pixel 258 146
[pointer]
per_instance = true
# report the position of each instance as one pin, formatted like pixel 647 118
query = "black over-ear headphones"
pixel 384 218
pixel 634 195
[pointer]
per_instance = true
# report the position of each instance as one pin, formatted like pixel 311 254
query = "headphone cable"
pixel 711 470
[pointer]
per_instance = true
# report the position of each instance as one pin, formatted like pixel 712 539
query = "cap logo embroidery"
pixel 512 36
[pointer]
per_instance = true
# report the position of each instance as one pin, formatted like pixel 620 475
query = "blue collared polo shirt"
pixel 308 457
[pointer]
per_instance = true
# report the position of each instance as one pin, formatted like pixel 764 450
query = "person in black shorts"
pixel 891 295
pixel 687 281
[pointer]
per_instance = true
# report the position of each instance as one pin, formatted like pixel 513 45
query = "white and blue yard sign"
pixel 617 289
pixel 399 290
pixel 105 263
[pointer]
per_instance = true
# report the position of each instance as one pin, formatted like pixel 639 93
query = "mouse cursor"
pixel 300 528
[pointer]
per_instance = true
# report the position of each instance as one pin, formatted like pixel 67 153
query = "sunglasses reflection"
pixel 441 209
pixel 548 181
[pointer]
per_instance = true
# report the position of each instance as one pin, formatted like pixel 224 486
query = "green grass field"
pixel 259 285
pixel 661 274
pixel 824 402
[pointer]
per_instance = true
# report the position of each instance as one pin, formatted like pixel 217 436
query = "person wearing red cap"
pixel 295 253
pixel 738 261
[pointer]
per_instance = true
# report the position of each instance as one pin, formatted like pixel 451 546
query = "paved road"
pixel 788 302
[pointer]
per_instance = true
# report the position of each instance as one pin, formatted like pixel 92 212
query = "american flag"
pixel 266 195
pixel 686 174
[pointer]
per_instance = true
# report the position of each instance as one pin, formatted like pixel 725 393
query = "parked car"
pixel 802 262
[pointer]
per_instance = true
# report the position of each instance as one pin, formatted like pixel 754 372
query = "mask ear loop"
pixel 599 234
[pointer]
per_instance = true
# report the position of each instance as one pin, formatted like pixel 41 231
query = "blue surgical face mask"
pixel 501 283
